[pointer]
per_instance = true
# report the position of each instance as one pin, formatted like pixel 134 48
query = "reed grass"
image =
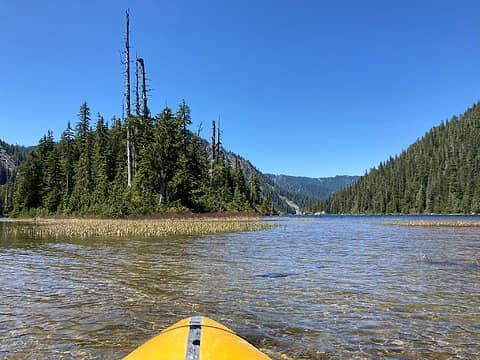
pixel 434 223
pixel 132 228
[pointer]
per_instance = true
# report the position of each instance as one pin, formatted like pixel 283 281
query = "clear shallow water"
pixel 328 287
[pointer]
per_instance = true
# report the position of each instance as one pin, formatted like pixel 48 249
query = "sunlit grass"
pixel 132 228
pixel 434 223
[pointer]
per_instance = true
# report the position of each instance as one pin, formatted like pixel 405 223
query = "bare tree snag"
pixel 127 98
pixel 214 136
pixel 212 163
pixel 127 65
pixel 141 63
pixel 219 140
pixel 137 94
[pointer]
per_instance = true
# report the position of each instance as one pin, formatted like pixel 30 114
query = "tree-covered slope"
pixel 11 158
pixel 439 173
pixel 268 190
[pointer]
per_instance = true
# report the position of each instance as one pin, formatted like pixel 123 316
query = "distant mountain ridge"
pixel 306 192
pixel 316 188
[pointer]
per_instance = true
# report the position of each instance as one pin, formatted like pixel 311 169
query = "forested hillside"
pixel 439 173
pixel 11 158
pixel 268 190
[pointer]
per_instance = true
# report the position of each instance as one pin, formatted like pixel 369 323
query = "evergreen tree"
pixel 100 164
pixel 29 185
pixel 184 119
pixel 240 197
pixel 67 156
pixel 53 182
pixel 80 199
pixel 254 190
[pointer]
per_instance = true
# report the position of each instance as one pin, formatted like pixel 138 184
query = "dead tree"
pixel 141 64
pixel 219 139
pixel 213 151
pixel 214 138
pixel 127 98
pixel 6 202
pixel 127 64
pixel 137 94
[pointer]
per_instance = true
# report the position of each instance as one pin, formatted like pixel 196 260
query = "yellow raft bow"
pixel 197 338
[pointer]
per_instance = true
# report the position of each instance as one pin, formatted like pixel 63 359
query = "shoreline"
pixel 68 228
pixel 157 216
pixel 434 223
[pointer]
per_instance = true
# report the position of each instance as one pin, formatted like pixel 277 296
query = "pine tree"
pixel 67 157
pixel 100 164
pixel 80 199
pixel 240 197
pixel 184 119
pixel 53 182
pixel 28 194
pixel 254 190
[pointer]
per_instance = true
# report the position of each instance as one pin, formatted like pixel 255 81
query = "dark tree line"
pixel 85 172
pixel 439 173
pixel 11 157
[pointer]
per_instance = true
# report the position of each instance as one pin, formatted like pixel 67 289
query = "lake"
pixel 328 287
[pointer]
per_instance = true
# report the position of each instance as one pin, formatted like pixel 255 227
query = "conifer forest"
pixel 436 174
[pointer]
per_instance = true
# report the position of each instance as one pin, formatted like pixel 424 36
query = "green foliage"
pixel 254 190
pixel 436 174
pixel 28 193
pixel 86 171
pixel 184 119
pixel 100 162
pixel 240 195
pixel 81 197
pixel 267 207
pixel 11 157
pixel 67 155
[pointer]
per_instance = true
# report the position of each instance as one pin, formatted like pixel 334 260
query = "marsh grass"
pixel 434 223
pixel 132 228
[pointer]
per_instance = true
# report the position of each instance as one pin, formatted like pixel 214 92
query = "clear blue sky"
pixel 314 88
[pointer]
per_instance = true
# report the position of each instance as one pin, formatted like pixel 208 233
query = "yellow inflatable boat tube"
pixel 197 338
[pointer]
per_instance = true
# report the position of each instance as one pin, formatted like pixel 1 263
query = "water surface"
pixel 311 288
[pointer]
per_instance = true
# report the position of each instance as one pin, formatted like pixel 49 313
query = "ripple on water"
pixel 327 288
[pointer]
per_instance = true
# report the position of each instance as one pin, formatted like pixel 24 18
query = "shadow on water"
pixel 470 266
pixel 474 265
pixel 275 275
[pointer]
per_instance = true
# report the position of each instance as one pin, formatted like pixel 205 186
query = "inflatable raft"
pixel 197 338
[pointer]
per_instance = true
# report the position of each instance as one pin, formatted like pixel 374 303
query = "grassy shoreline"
pixel 162 216
pixel 140 227
pixel 434 223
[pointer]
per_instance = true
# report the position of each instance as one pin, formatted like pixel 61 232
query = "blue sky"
pixel 314 88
